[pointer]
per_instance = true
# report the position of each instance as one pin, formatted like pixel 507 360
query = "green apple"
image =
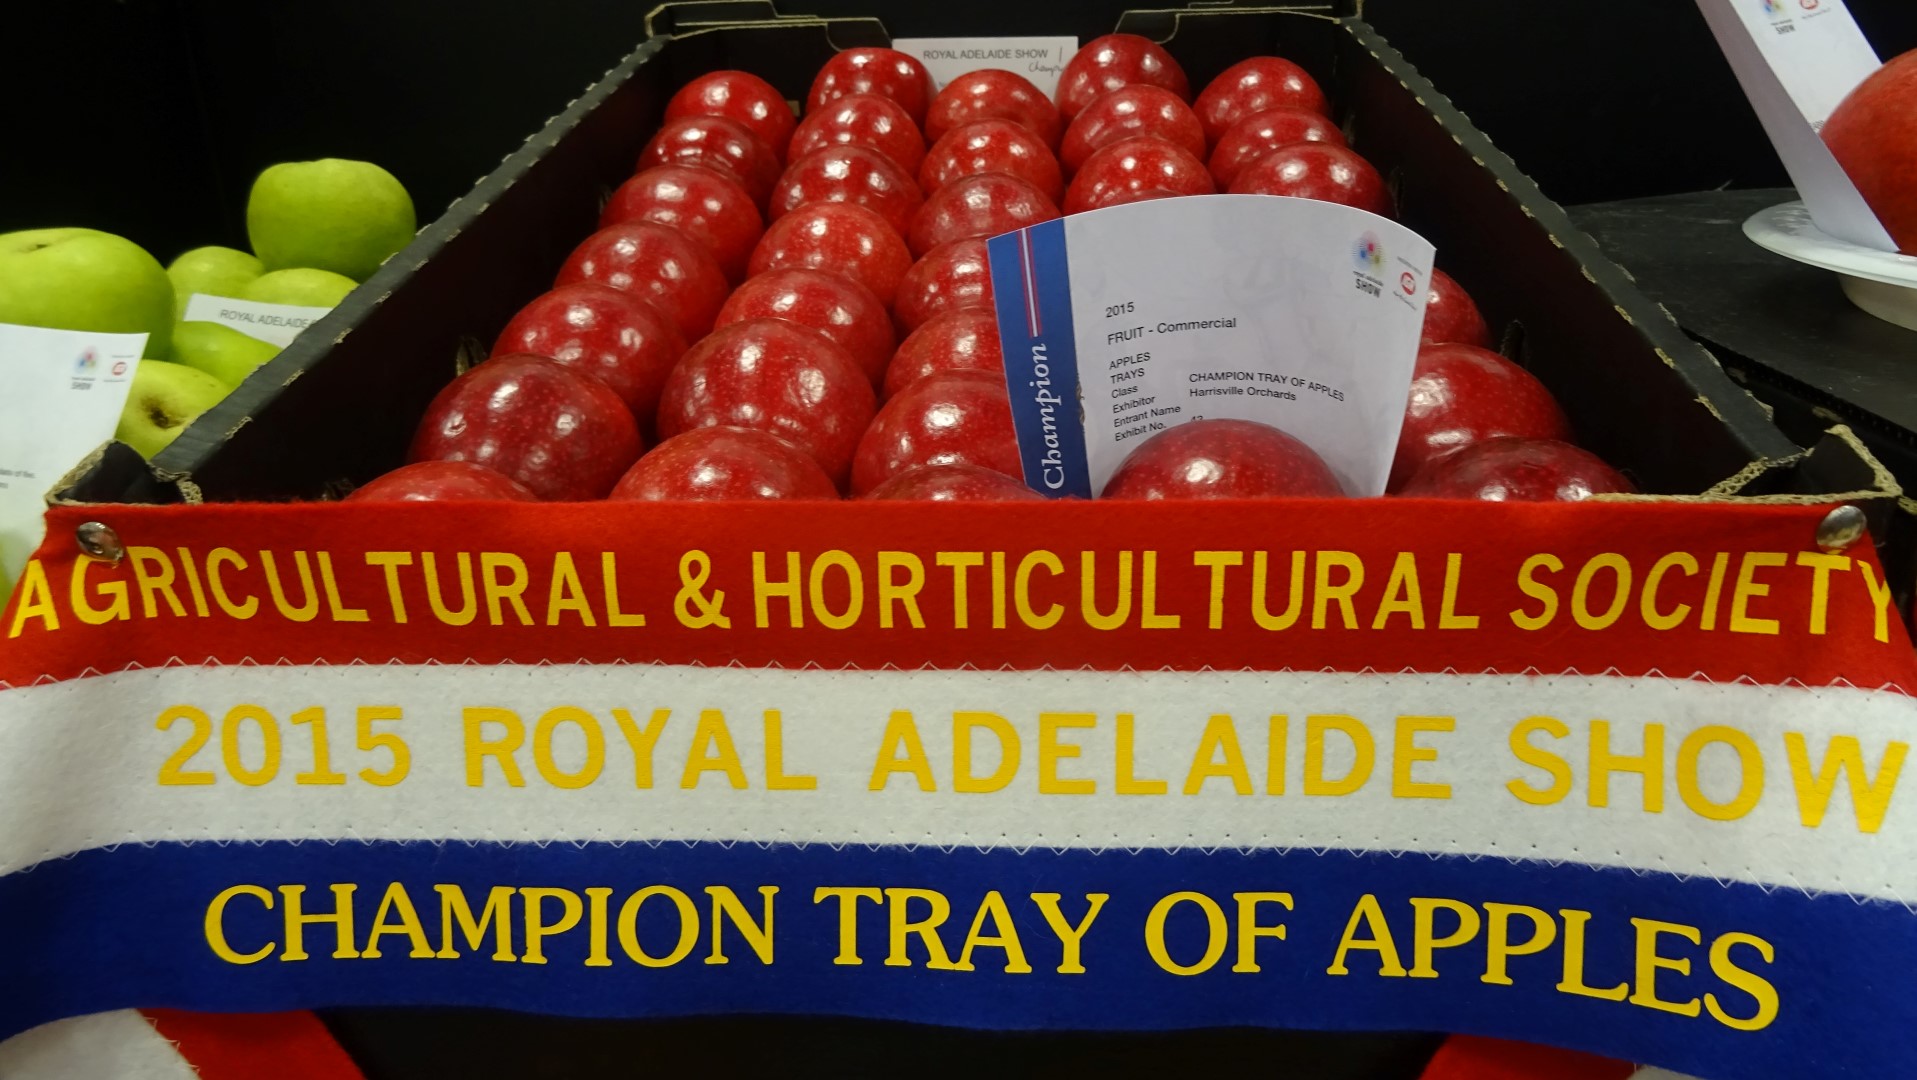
pixel 84 279
pixel 308 288
pixel 331 214
pixel 163 399
pixel 220 351
pixel 215 271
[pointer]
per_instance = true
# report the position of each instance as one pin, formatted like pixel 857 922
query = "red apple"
pixel 740 96
pixel 957 418
pixel 1262 132
pixel 564 435
pixel 954 341
pixel 1106 63
pixel 885 72
pixel 862 120
pixel 1450 314
pixel 1252 86
pixel 1517 470
pixel 1316 170
pixel 775 377
pixel 1461 394
pixel 714 142
pixel 705 204
pixel 993 94
pixel 623 341
pixel 1221 459
pixel 1143 195
pixel 1133 166
pixel 1130 112
pixel 953 483
pixel 1873 134
pixel 982 205
pixel 843 238
pixel 657 264
pixel 849 174
pixel 442 481
pixel 832 304
pixel 955 276
pixel 724 464
pixel 992 146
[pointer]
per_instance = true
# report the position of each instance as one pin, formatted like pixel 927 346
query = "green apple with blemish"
pixel 162 400
pixel 84 279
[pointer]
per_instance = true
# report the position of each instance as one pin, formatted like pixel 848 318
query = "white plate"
pixel 1882 283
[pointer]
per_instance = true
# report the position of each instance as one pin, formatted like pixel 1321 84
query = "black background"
pixel 149 118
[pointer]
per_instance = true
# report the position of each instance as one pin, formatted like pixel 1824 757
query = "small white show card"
pixel 1119 323
pixel 275 324
pixel 65 390
pixel 1039 59
pixel 1797 59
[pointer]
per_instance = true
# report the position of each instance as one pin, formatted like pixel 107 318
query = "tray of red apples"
pixel 799 307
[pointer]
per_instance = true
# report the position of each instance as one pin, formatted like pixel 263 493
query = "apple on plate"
pixel 442 481
pixel 1222 459
pixel 953 483
pixel 220 351
pixel 1873 134
pixel 564 435
pixel 302 287
pixel 162 399
pixel 330 214
pixel 84 279
pixel 214 270
pixel 1507 469
pixel 715 464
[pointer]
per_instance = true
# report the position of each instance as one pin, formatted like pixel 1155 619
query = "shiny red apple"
pixel 1262 132
pixel 1461 394
pixel 1131 112
pixel 842 238
pixel 705 204
pixel 1106 63
pixel 566 436
pixel 1316 170
pixel 849 174
pixel 614 336
pixel 885 72
pixel 862 120
pixel 984 205
pixel 715 464
pixel 833 304
pixel 1134 166
pixel 954 276
pixel 954 341
pixel 1221 459
pixel 1252 86
pixel 772 376
pixel 992 146
pixel 740 96
pixel 956 418
pixel 1451 315
pixel 714 142
pixel 953 483
pixel 656 263
pixel 1873 134
pixel 1517 470
pixel 442 481
pixel 993 94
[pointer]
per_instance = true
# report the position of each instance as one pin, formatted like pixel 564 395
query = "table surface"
pixel 1689 253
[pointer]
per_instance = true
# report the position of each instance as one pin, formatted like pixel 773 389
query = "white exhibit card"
pixel 64 393
pixel 1039 59
pixel 1796 60
pixel 1122 322
pixel 275 324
